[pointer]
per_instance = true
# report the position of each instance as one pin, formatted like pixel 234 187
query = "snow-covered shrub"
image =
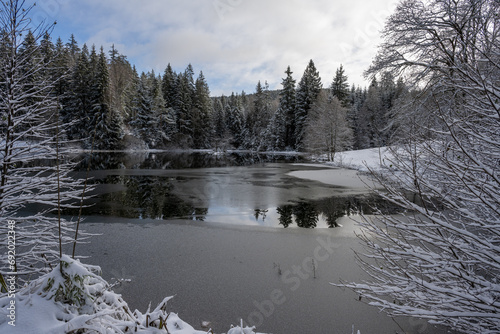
pixel 74 299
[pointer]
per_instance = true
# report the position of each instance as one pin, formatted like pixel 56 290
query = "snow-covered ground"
pixel 373 159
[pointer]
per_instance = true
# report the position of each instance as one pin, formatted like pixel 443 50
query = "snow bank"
pixel 77 300
pixel 375 159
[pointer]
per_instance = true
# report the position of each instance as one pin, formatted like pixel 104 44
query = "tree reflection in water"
pixel 144 197
pixel 153 197
pixel 307 214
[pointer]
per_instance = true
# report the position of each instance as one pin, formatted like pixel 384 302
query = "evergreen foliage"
pixel 103 99
pixel 340 87
pixel 307 92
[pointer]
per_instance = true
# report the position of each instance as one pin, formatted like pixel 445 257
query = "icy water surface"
pixel 212 234
pixel 262 193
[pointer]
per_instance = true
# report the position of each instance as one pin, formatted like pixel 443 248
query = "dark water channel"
pixel 233 237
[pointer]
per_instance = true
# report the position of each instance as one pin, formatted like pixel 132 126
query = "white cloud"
pixel 235 42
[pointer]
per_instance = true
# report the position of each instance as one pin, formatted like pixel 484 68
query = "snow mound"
pixel 372 159
pixel 74 298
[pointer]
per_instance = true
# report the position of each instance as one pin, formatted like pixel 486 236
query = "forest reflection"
pixel 178 159
pixel 132 186
pixel 152 197
pixel 307 214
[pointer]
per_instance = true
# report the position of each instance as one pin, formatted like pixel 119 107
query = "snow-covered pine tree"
pixel 219 128
pixel 106 132
pixel 169 87
pixel 354 117
pixel 74 51
pixel 288 105
pixel 441 260
pixel 234 123
pixel 202 114
pixel 276 131
pixel 162 129
pixel 143 122
pixel 121 82
pixel 307 92
pixel 257 118
pixel 60 69
pixel 369 117
pixel 77 102
pixel 29 135
pixel 185 90
pixel 339 87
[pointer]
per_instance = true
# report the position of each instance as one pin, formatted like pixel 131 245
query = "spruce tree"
pixel 60 68
pixel 143 121
pixel 77 101
pixel 161 130
pixel 106 132
pixel 234 123
pixel 288 108
pixel 257 118
pixel 169 87
pixel 202 113
pixel 219 128
pixel 185 93
pixel 340 87
pixel 276 131
pixel 370 118
pixel 307 92
pixel 73 50
pixel 121 79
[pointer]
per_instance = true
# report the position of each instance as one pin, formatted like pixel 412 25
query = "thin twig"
pixel 83 193
pixel 58 189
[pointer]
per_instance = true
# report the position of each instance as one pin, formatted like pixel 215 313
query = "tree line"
pixel 110 106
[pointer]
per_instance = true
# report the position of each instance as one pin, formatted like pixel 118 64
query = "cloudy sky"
pixel 235 43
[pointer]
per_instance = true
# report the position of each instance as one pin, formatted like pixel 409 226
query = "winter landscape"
pixel 145 201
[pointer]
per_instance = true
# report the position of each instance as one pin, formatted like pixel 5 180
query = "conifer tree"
pixel 288 107
pixel 161 130
pixel 219 128
pixel 202 113
pixel 183 106
pixel 169 87
pixel 60 69
pixel 47 52
pixel 78 102
pixel 307 92
pixel 143 121
pixel 357 99
pixel 73 50
pixel 276 131
pixel 370 118
pixel 257 118
pixel 233 117
pixel 121 80
pixel 106 132
pixel 340 87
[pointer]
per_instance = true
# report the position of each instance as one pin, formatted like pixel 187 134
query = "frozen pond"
pixel 265 194
pixel 214 238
